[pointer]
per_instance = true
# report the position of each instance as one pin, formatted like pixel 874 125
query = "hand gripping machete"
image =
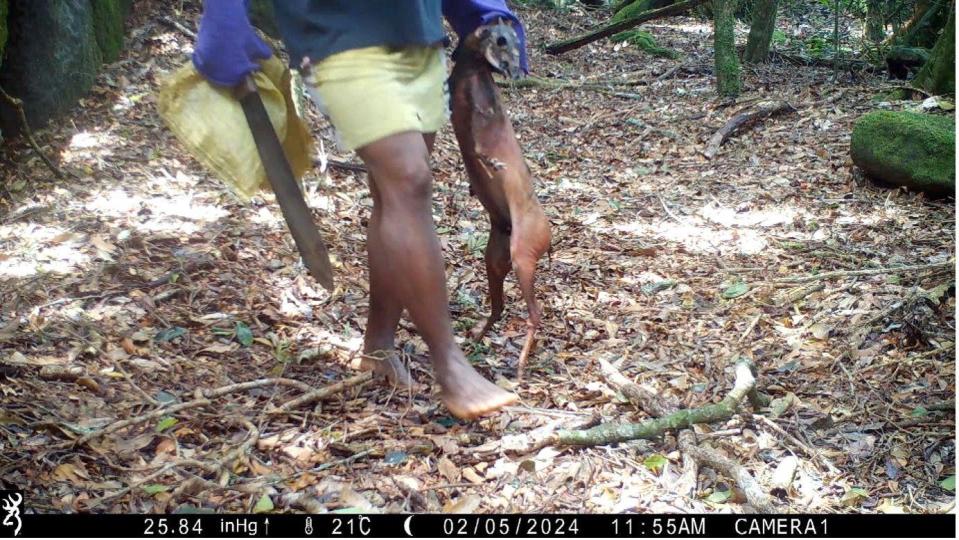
pixel 285 187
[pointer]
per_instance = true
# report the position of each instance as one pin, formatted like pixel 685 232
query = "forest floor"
pixel 144 281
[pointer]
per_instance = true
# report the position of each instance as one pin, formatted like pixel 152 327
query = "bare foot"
pixel 389 365
pixel 466 393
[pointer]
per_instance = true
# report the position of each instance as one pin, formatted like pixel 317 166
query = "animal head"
pixel 498 44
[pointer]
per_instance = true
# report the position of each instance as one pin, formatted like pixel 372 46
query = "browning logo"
pixel 11 502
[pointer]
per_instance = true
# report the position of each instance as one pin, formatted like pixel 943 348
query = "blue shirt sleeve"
pixel 468 15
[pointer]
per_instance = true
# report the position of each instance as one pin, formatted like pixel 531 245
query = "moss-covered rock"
pixel 907 149
pixel 108 18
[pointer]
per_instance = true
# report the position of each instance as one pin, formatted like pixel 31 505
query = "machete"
pixel 285 187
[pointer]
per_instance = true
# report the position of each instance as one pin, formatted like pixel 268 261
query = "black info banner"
pixel 480 526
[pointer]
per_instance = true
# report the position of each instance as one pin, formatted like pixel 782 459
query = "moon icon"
pixel 406 525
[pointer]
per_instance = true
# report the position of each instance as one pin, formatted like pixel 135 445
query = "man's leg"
pixel 385 308
pixel 405 252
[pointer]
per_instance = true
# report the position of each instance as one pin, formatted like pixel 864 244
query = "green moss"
pixel 646 42
pixel 907 149
pixel 728 82
pixel 108 27
pixel 3 27
pixel 938 75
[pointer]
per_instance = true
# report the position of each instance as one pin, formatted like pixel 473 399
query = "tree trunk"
pixel 938 75
pixel 607 30
pixel 921 30
pixel 761 31
pixel 724 44
pixel 875 28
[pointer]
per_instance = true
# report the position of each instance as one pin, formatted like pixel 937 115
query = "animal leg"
pixel 525 274
pixel 497 266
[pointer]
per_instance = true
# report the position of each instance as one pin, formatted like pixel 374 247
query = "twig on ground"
pixel 17 105
pixel 640 397
pixel 755 494
pixel 200 402
pixel 742 118
pixel 321 393
pixel 616 432
pixel 794 440
pixel 177 26
pixel 867 272
pixel 686 483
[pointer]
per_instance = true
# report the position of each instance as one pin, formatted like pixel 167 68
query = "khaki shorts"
pixel 375 92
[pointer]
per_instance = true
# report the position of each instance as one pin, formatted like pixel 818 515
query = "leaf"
pixel 948 483
pixel 656 462
pixel 243 334
pixel 265 504
pixel 166 424
pixel 165 398
pixel 719 497
pixel 464 505
pixel 168 334
pixel 736 289
pixel 395 457
pixel 854 496
pixel 153 489
pixel 449 470
pixel 919 412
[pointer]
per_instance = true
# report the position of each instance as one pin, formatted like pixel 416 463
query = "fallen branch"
pixel 743 118
pixel 17 105
pixel 755 494
pixel 177 26
pixel 555 84
pixel 869 272
pixel 614 432
pixel 689 478
pixel 322 393
pixel 200 402
pixel 607 30
pixel 640 397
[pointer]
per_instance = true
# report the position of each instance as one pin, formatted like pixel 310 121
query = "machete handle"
pixel 244 88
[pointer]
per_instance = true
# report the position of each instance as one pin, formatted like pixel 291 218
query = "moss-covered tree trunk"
pixel 724 43
pixel 921 30
pixel 761 31
pixel 875 29
pixel 938 75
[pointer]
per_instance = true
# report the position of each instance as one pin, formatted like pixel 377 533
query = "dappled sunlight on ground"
pixel 148 275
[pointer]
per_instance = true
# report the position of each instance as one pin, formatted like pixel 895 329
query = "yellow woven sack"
pixel 210 123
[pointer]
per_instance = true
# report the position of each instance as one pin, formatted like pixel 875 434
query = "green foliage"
pixel 646 42
pixel 779 37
